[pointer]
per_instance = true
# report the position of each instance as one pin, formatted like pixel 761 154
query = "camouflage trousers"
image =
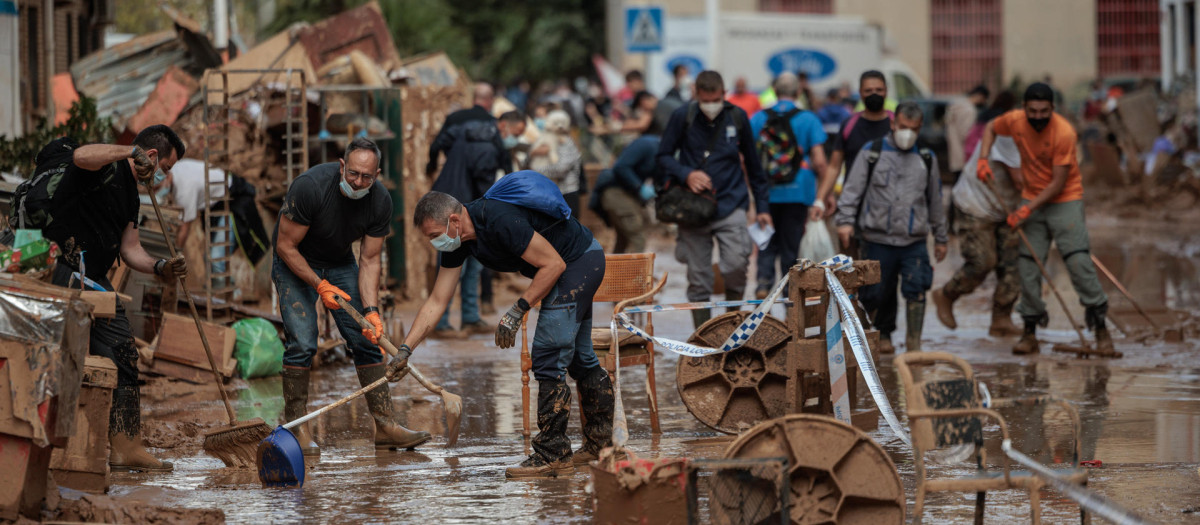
pixel 986 246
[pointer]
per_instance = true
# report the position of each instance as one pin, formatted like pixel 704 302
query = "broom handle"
pixel 212 364
pixel 1112 278
pixel 301 420
pixel 387 345
pixel 1045 275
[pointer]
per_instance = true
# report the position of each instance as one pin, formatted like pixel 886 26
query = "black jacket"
pixel 474 154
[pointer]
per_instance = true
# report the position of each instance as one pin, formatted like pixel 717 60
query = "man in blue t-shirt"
pixel 790 200
pixel 566 265
pixel 326 210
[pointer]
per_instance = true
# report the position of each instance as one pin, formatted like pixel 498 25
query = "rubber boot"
pixel 701 316
pixel 945 307
pixel 596 401
pixel 295 406
pixel 1028 343
pixel 1094 317
pixel 1002 324
pixel 914 319
pixel 885 344
pixel 125 435
pixel 551 449
pixel 389 433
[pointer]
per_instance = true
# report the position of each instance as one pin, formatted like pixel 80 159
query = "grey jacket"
pixel 903 204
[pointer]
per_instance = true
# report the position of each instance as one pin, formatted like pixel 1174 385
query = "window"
pixel 967 44
pixel 1127 38
pixel 903 87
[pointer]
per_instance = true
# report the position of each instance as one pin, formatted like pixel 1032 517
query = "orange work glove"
pixel 1017 217
pixel 328 291
pixel 377 324
pixel 983 170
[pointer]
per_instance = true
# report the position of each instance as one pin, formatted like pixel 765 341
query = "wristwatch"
pixel 370 309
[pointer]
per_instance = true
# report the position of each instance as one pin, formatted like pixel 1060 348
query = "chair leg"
pixel 652 395
pixel 980 503
pixel 919 506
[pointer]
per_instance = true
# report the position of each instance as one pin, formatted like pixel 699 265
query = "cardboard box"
pixel 104 304
pixel 83 464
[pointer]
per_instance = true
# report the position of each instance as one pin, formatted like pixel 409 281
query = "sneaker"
pixel 535 467
pixel 1027 345
pixel 478 327
pixel 761 293
pixel 487 309
pixel 448 334
pixel 885 345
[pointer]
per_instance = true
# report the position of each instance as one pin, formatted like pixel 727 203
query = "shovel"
pixel 452 403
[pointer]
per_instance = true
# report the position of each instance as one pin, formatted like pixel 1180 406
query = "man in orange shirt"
pixel 1051 210
pixel 743 98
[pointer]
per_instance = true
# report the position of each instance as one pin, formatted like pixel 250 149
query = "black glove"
pixel 398 367
pixel 172 268
pixel 143 167
pixel 506 333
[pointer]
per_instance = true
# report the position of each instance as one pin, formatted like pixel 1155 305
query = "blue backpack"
pixel 530 189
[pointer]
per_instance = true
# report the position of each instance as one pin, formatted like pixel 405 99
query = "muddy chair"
pixel 946 411
pixel 628 281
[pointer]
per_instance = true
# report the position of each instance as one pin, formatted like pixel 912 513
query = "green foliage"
pixel 500 40
pixel 18 153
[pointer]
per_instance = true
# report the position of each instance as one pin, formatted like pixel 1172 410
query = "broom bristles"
pixel 237 446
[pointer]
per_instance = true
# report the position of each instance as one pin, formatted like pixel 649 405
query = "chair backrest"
pixel 626 275
pixel 939 392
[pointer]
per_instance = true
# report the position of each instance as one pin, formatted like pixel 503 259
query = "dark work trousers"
pixel 562 340
pixel 790 219
pixel 904 266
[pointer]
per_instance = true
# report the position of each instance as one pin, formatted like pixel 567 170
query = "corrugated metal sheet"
pixel 822 7
pixel 120 78
pixel 968 44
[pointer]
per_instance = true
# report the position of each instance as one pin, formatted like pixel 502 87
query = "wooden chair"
pixel 945 412
pixel 628 281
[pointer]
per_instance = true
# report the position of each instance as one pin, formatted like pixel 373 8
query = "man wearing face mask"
pixel 1051 210
pixel 326 210
pixel 566 265
pixel 712 138
pixel 893 197
pixel 872 123
pixel 96 210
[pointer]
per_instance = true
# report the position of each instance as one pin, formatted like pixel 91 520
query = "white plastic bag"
pixel 816 245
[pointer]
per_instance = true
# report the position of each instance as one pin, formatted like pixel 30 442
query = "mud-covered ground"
pixel 1141 416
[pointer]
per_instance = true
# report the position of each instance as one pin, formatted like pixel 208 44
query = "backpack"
pixel 530 189
pixel 875 149
pixel 782 156
pixel 31 202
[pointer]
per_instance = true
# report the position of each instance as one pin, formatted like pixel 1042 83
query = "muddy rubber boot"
pixel 295 406
pixel 1028 343
pixel 701 316
pixel 389 433
pixel 885 344
pixel 945 307
pixel 1002 324
pixel 914 320
pixel 1094 317
pixel 125 435
pixel 596 400
pixel 551 449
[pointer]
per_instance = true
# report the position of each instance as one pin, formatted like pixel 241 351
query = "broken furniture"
pixel 944 410
pixel 781 369
pixel 43 341
pixel 178 351
pixel 83 464
pixel 628 280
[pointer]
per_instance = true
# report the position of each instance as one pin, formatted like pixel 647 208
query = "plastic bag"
pixel 259 351
pixel 816 245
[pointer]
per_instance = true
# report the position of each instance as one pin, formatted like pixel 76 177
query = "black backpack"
pixel 782 156
pixel 30 207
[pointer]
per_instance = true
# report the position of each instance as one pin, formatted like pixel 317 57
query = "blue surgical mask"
pixel 540 123
pixel 446 243
pixel 159 176
pixel 511 142
pixel 352 193
pixel 162 193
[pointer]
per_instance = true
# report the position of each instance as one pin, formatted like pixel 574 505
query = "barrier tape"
pixel 839 391
pixel 1092 501
pixel 655 308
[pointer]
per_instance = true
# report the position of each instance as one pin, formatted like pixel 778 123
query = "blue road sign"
pixel 643 29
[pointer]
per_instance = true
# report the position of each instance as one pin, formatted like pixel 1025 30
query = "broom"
pixel 237 444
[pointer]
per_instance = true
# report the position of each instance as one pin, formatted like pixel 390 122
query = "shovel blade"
pixel 280 460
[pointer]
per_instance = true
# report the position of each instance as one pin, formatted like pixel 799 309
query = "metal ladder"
pixel 219 286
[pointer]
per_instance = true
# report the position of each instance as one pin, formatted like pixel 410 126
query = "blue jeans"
pixel 298 306
pixel 562 341
pixel 904 266
pixel 468 288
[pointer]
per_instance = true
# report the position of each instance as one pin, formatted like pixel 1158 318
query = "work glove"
pixel 143 167
pixel 506 333
pixel 173 268
pixel 329 292
pixel 647 193
pixel 376 323
pixel 983 170
pixel 1017 217
pixel 398 366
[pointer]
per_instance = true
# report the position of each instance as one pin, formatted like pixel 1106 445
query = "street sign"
pixel 643 29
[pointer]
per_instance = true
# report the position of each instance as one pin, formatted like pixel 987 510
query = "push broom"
pixel 236 445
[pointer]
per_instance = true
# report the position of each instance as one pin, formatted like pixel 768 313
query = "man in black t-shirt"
pixel 95 211
pixel 566 264
pixel 874 122
pixel 326 210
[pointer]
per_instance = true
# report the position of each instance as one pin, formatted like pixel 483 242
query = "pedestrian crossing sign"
pixel 643 29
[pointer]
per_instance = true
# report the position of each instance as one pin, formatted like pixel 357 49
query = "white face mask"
pixel 712 109
pixel 904 138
